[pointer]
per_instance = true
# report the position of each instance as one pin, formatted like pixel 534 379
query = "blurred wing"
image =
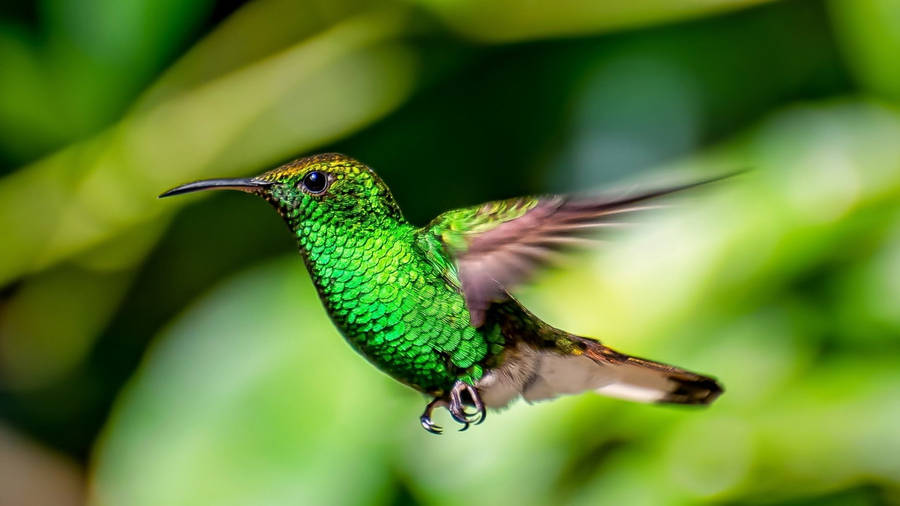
pixel 499 244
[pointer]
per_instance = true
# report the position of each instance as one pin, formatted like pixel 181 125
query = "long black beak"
pixel 245 184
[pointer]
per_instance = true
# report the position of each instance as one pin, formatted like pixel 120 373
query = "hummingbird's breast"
pixel 395 308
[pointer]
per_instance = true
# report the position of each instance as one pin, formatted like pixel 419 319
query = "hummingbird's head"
pixel 327 186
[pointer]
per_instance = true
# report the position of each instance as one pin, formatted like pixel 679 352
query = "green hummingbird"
pixel 431 306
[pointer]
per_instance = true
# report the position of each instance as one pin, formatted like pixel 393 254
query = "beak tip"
pixel 169 193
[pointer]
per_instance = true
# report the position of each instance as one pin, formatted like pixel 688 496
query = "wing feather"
pixel 496 245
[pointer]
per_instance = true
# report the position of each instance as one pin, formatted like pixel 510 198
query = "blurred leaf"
pixel 255 31
pixel 92 191
pixel 867 291
pixel 50 324
pixel 28 122
pixel 251 398
pixel 87 61
pixel 869 33
pixel 511 20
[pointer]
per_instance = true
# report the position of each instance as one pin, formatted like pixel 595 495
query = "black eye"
pixel 315 182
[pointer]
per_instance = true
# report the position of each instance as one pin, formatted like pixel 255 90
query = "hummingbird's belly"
pixel 407 321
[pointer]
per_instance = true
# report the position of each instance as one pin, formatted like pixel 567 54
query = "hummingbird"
pixel 431 306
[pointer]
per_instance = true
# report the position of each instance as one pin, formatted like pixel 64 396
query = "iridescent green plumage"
pixel 388 297
pixel 429 306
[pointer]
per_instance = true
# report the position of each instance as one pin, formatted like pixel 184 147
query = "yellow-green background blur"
pixel 173 352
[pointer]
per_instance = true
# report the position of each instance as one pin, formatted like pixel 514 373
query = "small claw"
pixel 479 406
pixel 425 419
pixel 458 414
pixel 475 418
pixel 470 417
pixel 480 413
pixel 430 426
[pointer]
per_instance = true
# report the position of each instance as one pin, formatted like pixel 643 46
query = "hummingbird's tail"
pixel 547 362
pixel 638 379
pixel 539 374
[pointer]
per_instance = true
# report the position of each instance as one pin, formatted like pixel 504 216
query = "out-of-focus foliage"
pixel 869 31
pixel 178 353
pixel 335 78
pixel 507 20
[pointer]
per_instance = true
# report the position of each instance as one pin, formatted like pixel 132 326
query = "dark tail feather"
pixel 648 381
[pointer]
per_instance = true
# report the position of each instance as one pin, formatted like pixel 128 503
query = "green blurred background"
pixel 174 352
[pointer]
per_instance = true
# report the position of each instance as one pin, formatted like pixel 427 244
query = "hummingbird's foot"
pixel 426 416
pixel 457 405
